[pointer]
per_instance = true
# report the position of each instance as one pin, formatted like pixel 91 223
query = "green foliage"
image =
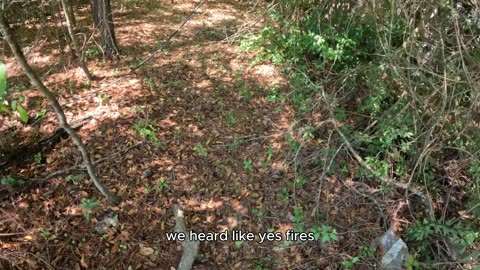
pixel 366 251
pixel 327 233
pixel 231 119
pixel 150 83
pixel 425 232
pixel 348 264
pixel 146 129
pixel 14 105
pixel 38 158
pixel 45 234
pixel 298 215
pixel 23 114
pixel 40 114
pixel 162 184
pixel 3 81
pixel 284 194
pixel 293 144
pixel 257 212
pixel 11 181
pixel 200 150
pixel 101 98
pixel 75 178
pixel 406 117
pixel 411 263
pixel 235 144
pixel 244 93
pixel 87 205
pixel 247 164
pixel 95 51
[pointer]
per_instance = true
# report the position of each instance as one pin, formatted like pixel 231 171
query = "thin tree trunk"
pixel 5 29
pixel 77 52
pixel 103 20
pixel 70 9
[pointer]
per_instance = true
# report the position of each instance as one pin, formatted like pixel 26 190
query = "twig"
pixel 190 248
pixel 386 180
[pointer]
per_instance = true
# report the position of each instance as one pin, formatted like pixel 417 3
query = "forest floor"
pixel 203 134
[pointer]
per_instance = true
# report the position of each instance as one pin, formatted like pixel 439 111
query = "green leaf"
pixel 3 80
pixel 4 108
pixel 23 113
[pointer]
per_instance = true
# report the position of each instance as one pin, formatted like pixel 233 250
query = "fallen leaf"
pixel 145 251
pixel 83 262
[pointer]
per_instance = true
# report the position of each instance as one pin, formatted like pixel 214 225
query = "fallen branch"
pixel 190 248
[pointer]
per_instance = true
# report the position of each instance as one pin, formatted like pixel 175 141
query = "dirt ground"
pixel 218 148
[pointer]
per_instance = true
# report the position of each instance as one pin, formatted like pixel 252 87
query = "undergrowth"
pixel 403 88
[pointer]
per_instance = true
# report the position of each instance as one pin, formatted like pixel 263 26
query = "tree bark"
pixel 5 29
pixel 103 20
pixel 77 52
pixel 70 9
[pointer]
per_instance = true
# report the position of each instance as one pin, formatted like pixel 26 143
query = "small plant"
pixel 40 114
pixel 146 187
pixel 284 194
pixel 199 118
pixel 38 158
pixel 101 98
pixel 200 150
pixel 347 264
pixel 257 212
pixel 247 164
pixel 235 144
pixel 95 51
pixel 411 263
pixel 274 96
pixel 293 144
pixel 302 180
pixel 327 233
pixel 87 205
pixel 146 130
pixel 45 234
pixel 366 252
pixel 298 215
pixel 423 232
pixel 75 178
pixel 244 93
pixel 161 184
pixel 11 181
pixel 150 83
pixel 231 119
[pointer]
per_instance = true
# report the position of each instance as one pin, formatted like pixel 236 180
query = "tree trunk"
pixel 7 35
pixel 103 20
pixel 77 52
pixel 69 7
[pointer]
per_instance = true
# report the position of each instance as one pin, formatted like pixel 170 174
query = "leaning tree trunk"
pixel 103 20
pixel 5 29
pixel 70 7
pixel 77 51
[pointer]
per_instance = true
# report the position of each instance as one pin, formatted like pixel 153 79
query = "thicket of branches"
pixel 400 83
